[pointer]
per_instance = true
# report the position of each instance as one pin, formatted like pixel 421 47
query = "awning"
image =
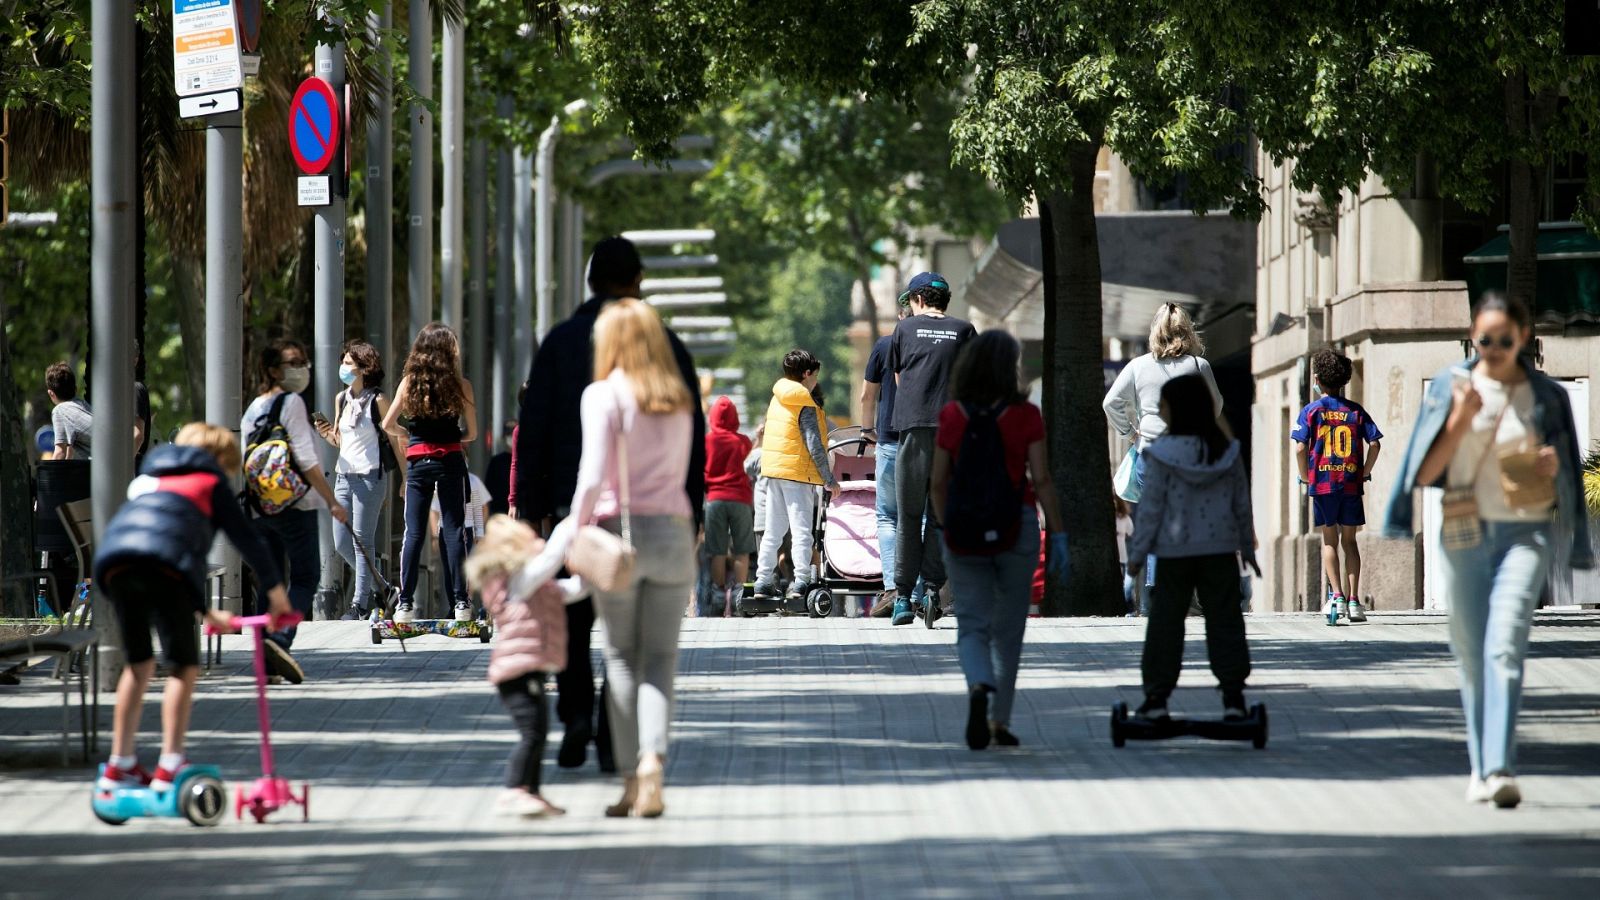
pixel 1569 272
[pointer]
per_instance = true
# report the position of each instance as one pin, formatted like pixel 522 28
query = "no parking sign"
pixel 314 126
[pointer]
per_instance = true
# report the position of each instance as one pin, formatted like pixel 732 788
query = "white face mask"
pixel 296 378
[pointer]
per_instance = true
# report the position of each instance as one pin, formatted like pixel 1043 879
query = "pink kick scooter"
pixel 269 793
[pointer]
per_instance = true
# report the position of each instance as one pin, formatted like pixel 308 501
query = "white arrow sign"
pixel 208 104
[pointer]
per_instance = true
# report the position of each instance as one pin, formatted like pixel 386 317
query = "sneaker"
pixel 1335 610
pixel 1477 790
pixel 113 778
pixel 902 612
pixel 279 662
pixel 1153 709
pixel 355 613
pixel 463 611
pixel 765 589
pixel 1004 738
pixel 883 607
pixel 164 778
pixel 1503 791
pixel 1233 706
pixel 518 802
pixel 403 612
pixel 978 735
pixel 1356 612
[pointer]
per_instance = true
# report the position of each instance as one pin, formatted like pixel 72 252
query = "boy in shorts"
pixel 1336 446
pixel 730 503
pixel 152 564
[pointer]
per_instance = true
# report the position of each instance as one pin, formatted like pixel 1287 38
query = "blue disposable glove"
pixel 1058 561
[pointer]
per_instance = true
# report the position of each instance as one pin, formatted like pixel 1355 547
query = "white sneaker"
pixel 463 611
pixel 515 802
pixel 1357 614
pixel 403 612
pixel 1477 790
pixel 1503 791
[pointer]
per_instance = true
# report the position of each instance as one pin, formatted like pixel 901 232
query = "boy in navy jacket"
pixel 152 564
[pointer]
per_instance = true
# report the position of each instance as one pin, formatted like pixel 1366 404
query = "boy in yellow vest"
pixel 794 462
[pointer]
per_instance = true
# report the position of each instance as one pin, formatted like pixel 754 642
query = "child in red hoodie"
pixel 730 500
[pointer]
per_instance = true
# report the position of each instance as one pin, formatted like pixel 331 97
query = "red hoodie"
pixel 726 449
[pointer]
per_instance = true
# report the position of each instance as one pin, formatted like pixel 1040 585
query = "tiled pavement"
pixel 824 759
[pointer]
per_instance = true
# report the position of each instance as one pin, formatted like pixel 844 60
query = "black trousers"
pixel 1216 580
pixel 525 701
pixel 575 705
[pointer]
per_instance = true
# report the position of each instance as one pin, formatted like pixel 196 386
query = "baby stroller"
pixel 847 526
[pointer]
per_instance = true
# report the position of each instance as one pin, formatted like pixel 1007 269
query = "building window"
pixel 1565 179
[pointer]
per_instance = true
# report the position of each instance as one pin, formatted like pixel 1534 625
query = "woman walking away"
pixel 514 575
pixel 290 529
pixel 1498 436
pixel 441 417
pixel 637 428
pixel 989 473
pixel 366 454
pixel 1194 517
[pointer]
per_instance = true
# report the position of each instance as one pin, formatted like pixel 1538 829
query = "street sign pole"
pixel 452 140
pixel 522 313
pixel 380 228
pixel 329 317
pixel 420 249
pixel 225 303
pixel 114 152
pixel 504 277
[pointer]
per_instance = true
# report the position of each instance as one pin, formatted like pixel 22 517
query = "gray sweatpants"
pixel 641 623
pixel 918 540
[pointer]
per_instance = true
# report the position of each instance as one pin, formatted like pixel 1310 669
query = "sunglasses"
pixel 1504 341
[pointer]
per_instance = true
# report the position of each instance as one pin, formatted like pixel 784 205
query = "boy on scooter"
pixel 152 564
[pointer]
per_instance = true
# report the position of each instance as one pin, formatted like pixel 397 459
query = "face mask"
pixel 347 374
pixel 296 378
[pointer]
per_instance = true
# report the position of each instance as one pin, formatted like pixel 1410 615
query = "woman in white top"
pixel 358 477
pixel 638 400
pixel 283 371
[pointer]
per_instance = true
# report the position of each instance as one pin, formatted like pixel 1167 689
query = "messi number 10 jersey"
pixel 1336 432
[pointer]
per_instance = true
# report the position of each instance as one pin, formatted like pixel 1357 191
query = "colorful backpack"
pixel 272 481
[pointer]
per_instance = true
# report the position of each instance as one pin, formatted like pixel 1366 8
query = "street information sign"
pixel 314 190
pixel 205 47
pixel 314 126
pixel 208 104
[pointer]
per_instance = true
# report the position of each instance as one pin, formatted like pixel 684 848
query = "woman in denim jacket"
pixel 1496 403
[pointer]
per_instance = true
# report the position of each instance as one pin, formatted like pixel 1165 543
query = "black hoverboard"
pixel 1252 728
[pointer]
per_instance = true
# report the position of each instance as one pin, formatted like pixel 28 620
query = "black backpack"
pixel 982 506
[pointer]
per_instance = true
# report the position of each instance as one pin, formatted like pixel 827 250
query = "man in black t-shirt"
pixel 922 353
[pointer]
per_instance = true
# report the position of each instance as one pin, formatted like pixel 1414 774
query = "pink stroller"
pixel 848 526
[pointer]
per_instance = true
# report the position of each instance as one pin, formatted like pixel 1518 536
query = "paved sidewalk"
pixel 824 759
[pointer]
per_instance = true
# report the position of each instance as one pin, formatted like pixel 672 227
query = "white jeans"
pixel 791 506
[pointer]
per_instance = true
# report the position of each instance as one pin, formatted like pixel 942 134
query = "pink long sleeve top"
pixel 658 455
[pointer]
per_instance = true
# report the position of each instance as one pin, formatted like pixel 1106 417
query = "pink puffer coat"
pixel 528 637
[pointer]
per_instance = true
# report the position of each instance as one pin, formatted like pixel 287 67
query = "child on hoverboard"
pixel 1194 517
pixel 152 564
pixel 513 572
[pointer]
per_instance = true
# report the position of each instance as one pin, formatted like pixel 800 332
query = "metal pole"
pixel 504 393
pixel 522 317
pixel 452 105
pixel 544 228
pixel 328 285
pixel 380 201
pixel 225 304
pixel 477 303
pixel 567 271
pixel 114 154
pixel 580 256
pixel 421 235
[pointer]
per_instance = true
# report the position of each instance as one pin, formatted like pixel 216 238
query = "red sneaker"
pixel 113 778
pixel 164 779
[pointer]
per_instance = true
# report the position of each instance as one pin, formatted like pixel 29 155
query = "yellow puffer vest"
pixel 783 451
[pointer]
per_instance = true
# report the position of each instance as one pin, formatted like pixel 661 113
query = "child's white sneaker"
pixel 1357 613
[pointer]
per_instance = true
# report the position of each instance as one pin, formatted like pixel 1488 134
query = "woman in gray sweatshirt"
pixel 1194 518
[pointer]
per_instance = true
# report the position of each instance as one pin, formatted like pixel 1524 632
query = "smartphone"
pixel 1460 376
pixel 320 420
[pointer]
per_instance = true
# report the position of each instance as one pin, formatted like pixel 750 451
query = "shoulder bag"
pixel 603 559
pixel 1461 526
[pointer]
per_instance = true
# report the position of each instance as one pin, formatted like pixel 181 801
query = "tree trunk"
pixel 869 310
pixel 189 281
pixel 16 484
pixel 1074 385
pixel 1522 262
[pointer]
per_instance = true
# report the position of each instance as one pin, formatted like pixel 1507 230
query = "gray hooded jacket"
pixel 1190 507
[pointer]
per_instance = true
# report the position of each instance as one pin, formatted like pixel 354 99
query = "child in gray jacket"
pixel 1194 517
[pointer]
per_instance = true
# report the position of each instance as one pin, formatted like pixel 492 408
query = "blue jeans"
pixel 448 475
pixel 888 509
pixel 1149 561
pixel 994 593
pixel 1493 588
pixel 291 538
pixel 362 495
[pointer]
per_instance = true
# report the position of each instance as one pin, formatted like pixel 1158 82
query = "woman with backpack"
pixel 284 484
pixel 1194 520
pixel 990 475
pixel 441 418
pixel 366 454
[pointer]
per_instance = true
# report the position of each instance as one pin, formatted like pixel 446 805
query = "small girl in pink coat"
pixel 513 574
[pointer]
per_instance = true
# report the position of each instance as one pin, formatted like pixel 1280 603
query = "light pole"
pixel 544 207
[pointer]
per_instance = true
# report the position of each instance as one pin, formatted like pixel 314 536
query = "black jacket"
pixel 173 512
pixel 550 433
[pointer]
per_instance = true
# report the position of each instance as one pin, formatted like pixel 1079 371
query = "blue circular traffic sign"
pixel 314 126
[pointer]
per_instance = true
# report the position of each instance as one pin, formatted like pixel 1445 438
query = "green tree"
pixel 808 308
